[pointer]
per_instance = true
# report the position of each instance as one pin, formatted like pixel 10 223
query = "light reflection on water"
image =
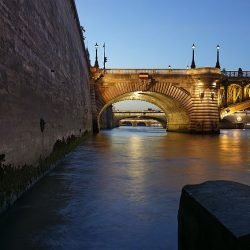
pixel 121 189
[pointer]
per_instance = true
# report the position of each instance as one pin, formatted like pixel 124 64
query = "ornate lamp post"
pixel 193 61
pixel 96 58
pixel 218 57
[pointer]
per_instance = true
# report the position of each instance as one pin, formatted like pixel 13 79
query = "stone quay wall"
pixel 44 78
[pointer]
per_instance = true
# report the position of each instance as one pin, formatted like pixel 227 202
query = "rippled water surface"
pixel 121 190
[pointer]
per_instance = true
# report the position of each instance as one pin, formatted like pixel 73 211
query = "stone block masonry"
pixel 44 78
pixel 214 215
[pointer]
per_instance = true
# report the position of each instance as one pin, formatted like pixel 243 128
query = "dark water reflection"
pixel 121 189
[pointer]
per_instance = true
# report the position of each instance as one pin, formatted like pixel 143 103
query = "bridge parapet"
pixel 238 74
pixel 205 70
pixel 149 71
pixel 138 112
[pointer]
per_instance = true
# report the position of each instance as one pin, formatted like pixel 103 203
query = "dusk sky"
pixel 158 33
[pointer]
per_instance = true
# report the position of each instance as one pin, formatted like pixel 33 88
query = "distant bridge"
pixel 139 122
pixel 147 116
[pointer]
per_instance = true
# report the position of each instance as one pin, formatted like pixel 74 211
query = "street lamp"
pixel 193 61
pixel 96 58
pixel 218 57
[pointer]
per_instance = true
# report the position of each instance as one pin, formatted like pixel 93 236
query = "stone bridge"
pixel 139 122
pixel 193 100
pixel 147 116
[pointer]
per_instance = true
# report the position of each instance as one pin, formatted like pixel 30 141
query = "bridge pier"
pixel 106 119
pixel 204 115
pixel 95 126
pixel 181 128
pixel 134 124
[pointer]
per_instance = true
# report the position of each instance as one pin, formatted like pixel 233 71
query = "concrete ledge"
pixel 214 215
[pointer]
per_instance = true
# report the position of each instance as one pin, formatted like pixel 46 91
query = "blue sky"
pixel 158 33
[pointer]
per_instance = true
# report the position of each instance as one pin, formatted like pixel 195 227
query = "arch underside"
pixel 177 116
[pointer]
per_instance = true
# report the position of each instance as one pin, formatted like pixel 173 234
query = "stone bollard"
pixel 214 215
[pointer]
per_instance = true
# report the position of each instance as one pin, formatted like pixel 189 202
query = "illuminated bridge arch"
pixel 234 93
pixel 174 101
pixel 236 99
pixel 247 92
pixel 169 90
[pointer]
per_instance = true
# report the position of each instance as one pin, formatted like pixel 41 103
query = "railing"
pixel 236 73
pixel 149 71
pixel 138 113
pixel 174 71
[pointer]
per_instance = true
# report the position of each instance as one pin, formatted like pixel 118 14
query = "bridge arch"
pixel 247 91
pixel 127 123
pixel 176 102
pixel 234 93
pixel 167 89
pixel 222 96
pixel 142 124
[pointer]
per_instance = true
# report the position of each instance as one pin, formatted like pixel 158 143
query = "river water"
pixel 121 190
